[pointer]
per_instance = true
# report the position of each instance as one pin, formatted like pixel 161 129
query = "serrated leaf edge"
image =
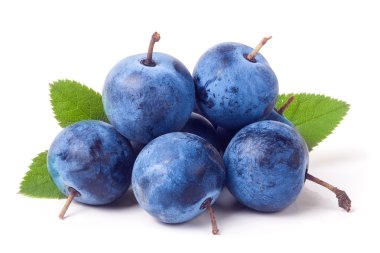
pixel 62 196
pixel 58 82
pixel 346 106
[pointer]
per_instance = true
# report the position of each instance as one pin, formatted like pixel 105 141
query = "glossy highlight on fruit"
pixel 176 175
pixel 93 159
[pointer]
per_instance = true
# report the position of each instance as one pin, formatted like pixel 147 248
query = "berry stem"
pixel 149 61
pixel 207 204
pixel 251 56
pixel 73 193
pixel 285 105
pixel 343 199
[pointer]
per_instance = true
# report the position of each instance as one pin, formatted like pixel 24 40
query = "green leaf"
pixel 73 102
pixel 37 182
pixel 315 116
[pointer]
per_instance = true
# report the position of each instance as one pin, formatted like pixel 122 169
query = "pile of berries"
pixel 178 138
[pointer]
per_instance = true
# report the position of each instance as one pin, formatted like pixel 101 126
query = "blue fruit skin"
pixel 144 102
pixel 199 125
pixel 174 174
pixel 94 159
pixel 275 116
pixel 137 147
pixel 225 135
pixel 233 92
pixel 266 164
pixel 197 110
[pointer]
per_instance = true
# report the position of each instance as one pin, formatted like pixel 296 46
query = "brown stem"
pixel 149 61
pixel 285 105
pixel 251 56
pixel 343 199
pixel 207 204
pixel 73 193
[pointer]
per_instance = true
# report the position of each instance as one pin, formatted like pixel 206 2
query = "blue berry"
pixel 233 91
pixel 175 175
pixel 145 100
pixel 93 159
pixel 266 164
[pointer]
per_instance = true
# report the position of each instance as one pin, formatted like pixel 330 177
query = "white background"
pixel 327 47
